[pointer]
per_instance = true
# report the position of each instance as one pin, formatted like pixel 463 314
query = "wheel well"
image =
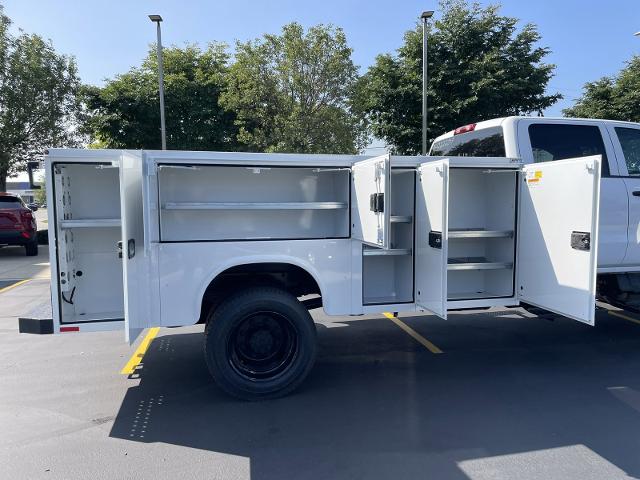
pixel 292 278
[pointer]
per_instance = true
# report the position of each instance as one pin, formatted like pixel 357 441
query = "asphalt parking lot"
pixel 510 396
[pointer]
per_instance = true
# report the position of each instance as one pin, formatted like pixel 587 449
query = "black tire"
pixel 31 249
pixel 260 343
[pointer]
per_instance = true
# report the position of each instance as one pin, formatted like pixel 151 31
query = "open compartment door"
pixel 432 220
pixel 136 292
pixel 370 201
pixel 558 236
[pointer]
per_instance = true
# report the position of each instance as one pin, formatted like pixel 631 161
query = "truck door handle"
pixel 636 193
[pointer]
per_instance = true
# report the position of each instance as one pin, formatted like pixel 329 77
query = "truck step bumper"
pixel 39 320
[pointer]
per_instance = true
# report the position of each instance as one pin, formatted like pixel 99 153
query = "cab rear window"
pixel 487 142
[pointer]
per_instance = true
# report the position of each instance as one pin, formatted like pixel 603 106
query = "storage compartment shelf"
pixel 90 223
pixel 386 300
pixel 476 263
pixel 255 205
pixel 401 219
pixel 479 233
pixel 93 316
pixel 377 252
pixel 474 295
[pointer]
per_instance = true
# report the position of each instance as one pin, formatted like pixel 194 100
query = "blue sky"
pixel 588 38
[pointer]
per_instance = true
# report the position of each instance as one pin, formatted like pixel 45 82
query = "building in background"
pixel 19 185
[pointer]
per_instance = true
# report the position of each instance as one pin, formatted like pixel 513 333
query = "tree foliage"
pixel 125 113
pixel 480 66
pixel 293 92
pixel 615 98
pixel 38 99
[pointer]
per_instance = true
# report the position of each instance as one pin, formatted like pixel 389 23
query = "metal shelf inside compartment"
pixel 460 296
pixel 375 252
pixel 254 205
pixel 388 299
pixel 401 219
pixel 476 263
pixel 90 223
pixel 479 233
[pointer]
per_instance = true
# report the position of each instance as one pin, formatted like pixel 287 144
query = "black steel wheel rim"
pixel 262 346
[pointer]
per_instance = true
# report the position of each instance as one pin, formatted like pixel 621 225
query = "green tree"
pixel 481 66
pixel 125 112
pixel 615 98
pixel 293 92
pixel 40 195
pixel 39 107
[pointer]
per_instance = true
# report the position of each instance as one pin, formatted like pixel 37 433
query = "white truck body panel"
pixel 166 267
pixel 432 215
pixel 371 177
pixel 559 200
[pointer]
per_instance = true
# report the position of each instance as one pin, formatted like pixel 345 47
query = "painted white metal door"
pixel 558 236
pixel 136 293
pixel 371 201
pixel 432 219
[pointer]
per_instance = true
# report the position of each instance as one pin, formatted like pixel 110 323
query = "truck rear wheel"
pixel 260 343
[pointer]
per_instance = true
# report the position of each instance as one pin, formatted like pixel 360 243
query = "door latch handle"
pixel 581 241
pixel 435 239
pixel 636 193
pixel 131 248
pixel 376 202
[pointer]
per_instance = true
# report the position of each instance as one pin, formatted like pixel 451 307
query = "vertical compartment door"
pixel 558 236
pixel 432 219
pixel 370 201
pixel 136 290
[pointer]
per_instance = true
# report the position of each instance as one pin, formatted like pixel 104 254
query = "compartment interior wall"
pixel 389 278
pixel 98 295
pixel 482 201
pixel 95 191
pixel 237 184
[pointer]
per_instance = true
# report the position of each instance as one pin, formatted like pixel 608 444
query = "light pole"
pixel 425 17
pixel 163 132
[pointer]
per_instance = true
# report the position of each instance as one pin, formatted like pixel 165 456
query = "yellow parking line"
pixel 13 285
pixel 413 334
pixel 136 358
pixel 629 319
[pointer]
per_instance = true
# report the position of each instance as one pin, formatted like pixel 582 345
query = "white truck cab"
pixel 540 139
pixel 246 243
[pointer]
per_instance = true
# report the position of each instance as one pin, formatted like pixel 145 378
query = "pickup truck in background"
pixel 543 139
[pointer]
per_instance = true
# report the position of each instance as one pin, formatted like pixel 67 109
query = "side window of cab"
pixel 557 141
pixel 629 139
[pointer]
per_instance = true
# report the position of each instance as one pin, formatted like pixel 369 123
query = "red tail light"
pixel 465 129
pixel 69 329
pixel 28 221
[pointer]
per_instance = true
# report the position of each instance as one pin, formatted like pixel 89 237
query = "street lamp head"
pixel 155 18
pixel 427 14
pixel 637 34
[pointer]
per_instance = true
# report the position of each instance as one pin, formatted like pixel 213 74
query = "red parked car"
pixel 17 224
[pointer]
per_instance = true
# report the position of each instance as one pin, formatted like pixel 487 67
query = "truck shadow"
pixel 378 405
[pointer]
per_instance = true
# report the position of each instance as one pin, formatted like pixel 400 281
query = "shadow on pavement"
pixel 378 405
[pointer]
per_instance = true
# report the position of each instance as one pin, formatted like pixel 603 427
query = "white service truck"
pixel 247 243
pixel 540 139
